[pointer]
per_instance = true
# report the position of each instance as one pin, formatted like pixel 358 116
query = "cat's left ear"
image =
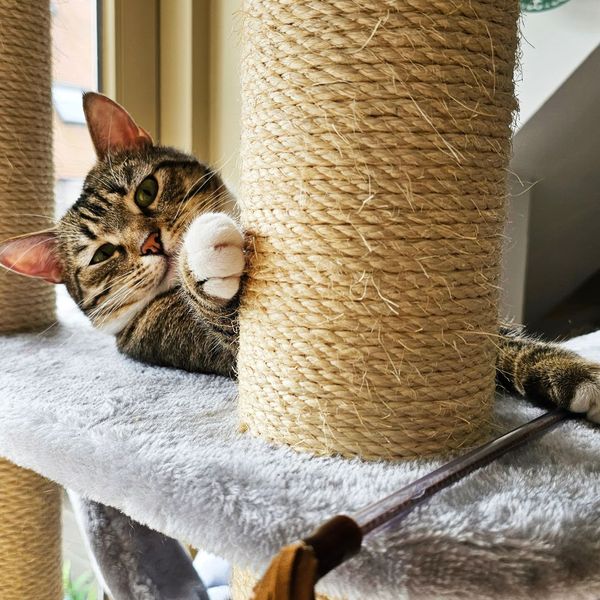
pixel 111 127
pixel 33 255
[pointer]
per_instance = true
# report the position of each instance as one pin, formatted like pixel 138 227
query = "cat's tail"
pixel 547 372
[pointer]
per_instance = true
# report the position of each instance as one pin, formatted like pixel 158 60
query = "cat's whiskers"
pixel 214 202
pixel 186 196
pixel 220 164
pixel 116 304
pixel 207 176
pixel 209 204
pixel 214 199
pixel 118 294
pixel 119 299
pixel 44 331
pixel 79 305
pixel 182 203
pixel 106 288
pixel 68 340
pixel 38 215
pixel 115 298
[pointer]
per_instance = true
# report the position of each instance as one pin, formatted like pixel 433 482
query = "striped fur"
pixel 548 373
pixel 157 312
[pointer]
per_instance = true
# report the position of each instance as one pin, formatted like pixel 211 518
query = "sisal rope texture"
pixel 30 546
pixel 375 139
pixel 243 582
pixel 26 182
pixel 30 541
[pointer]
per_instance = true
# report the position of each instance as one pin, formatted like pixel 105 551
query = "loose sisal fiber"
pixel 374 147
pixel 30 562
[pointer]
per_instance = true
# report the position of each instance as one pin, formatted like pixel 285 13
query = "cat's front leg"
pixel 212 259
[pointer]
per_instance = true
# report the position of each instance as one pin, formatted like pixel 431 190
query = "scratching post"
pixel 374 147
pixel 26 183
pixel 30 540
pixel 29 504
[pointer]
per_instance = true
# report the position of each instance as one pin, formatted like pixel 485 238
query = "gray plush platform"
pixel 162 446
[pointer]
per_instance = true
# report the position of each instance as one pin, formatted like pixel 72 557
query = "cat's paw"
pixel 587 399
pixel 214 254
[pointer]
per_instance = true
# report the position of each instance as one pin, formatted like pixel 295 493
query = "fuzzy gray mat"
pixel 162 446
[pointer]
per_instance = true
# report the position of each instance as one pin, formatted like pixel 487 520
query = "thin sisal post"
pixel 30 563
pixel 374 147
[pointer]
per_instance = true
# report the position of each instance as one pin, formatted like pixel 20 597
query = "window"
pixel 66 100
pixel 74 70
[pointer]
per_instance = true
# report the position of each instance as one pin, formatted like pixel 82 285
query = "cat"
pixel 152 252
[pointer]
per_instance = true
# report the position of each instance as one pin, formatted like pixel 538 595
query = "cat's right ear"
pixel 33 255
pixel 111 127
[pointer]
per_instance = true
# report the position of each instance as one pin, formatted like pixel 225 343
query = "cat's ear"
pixel 33 255
pixel 111 127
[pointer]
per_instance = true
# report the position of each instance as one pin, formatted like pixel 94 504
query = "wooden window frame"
pixel 153 57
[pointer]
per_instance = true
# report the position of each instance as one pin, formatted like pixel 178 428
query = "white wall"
pixel 554 43
pixel 557 153
pixel 552 245
pixel 514 254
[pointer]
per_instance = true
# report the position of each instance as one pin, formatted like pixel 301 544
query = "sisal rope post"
pixel 30 561
pixel 375 139
pixel 30 540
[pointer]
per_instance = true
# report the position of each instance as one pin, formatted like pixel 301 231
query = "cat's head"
pixel 115 249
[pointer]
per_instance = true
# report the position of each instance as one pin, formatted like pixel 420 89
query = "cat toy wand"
pixel 294 572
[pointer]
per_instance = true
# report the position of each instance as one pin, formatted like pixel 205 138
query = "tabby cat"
pixel 151 252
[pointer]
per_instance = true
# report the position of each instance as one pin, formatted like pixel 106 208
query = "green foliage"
pixel 540 5
pixel 82 588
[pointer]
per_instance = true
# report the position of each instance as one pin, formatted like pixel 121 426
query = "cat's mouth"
pixel 170 260
pixel 170 273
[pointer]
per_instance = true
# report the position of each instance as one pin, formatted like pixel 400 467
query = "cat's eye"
pixel 146 192
pixel 103 253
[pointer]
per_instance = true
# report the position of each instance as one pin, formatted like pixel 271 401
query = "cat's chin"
pixel 120 321
pixel 167 281
pixel 169 278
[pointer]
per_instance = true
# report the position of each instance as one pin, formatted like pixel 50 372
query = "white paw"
pixel 587 400
pixel 214 249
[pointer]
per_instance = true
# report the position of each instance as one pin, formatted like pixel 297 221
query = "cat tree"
pixel 374 151
pixel 29 504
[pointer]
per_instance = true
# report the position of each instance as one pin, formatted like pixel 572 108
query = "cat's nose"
pixel 152 245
